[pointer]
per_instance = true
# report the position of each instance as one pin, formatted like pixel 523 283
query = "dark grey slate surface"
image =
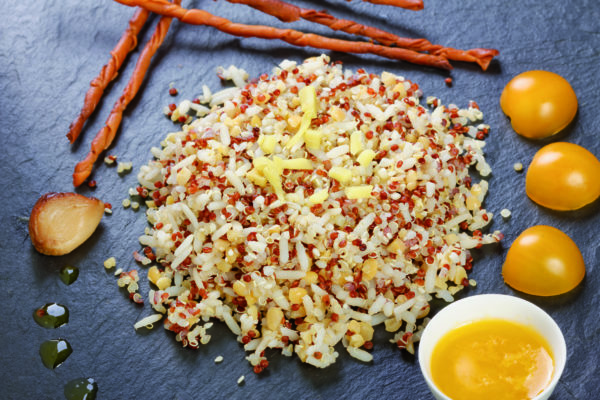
pixel 49 52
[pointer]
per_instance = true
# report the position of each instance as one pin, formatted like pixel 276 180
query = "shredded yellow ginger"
pixel 272 169
pixel 309 106
pixel 267 170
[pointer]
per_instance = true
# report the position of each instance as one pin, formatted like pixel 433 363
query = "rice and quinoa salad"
pixel 307 207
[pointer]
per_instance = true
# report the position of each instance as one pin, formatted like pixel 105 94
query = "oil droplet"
pixel 68 274
pixel 81 389
pixel 54 352
pixel 51 315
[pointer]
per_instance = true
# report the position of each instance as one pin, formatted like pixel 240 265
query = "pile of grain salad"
pixel 310 206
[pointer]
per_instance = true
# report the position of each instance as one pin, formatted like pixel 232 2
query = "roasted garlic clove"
pixel 60 222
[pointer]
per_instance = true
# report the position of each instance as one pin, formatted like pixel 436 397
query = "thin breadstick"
pixel 109 72
pixel 201 17
pixel 287 12
pixel 414 5
pixel 107 134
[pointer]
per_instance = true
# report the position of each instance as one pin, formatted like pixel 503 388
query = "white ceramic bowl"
pixel 492 306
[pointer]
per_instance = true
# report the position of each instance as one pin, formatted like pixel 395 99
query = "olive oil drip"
pixel 81 389
pixel 68 274
pixel 51 316
pixel 54 352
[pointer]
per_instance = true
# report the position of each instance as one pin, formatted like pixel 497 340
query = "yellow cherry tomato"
pixel 539 103
pixel 543 261
pixel 563 176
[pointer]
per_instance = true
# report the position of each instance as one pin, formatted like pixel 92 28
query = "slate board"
pixel 49 52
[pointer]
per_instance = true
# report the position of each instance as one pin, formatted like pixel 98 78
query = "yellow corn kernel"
pixel 250 299
pixel 312 138
pixel 356 341
pixel 170 200
pixel 337 114
pixel 451 238
pixel 311 277
pixel 294 121
pixel 411 179
pixel 356 142
pixel 267 143
pixel 354 326
pixel 175 115
pixel 153 274
pixel 295 102
pixel 296 294
pixel 252 312
pixel 239 288
pixel 319 196
pixel 235 131
pixel 171 137
pixel 110 263
pixel 476 189
pixel 460 275
pixel 472 203
pixel 365 157
pixel 306 334
pixel 440 282
pixel 273 230
pixel 340 174
pixel 396 246
pixel 297 163
pixel 369 269
pixel 366 331
pixel 255 121
pixel 341 280
pixel 399 88
pixel 274 317
pixel 232 254
pixel 425 311
pixel 359 192
pixel 392 325
pixel 183 176
pixel 255 177
pixel 163 283
pixel 298 314
pixel 221 245
pixel 224 266
pixel 424 142
pixel 229 122
pixel 388 78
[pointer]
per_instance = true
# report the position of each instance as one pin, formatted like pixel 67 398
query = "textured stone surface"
pixel 49 52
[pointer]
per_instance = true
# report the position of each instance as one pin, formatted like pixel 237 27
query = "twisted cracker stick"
pixel 414 5
pixel 107 134
pixel 109 72
pixel 200 17
pixel 287 12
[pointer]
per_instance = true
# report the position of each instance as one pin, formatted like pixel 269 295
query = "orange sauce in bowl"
pixel 492 359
